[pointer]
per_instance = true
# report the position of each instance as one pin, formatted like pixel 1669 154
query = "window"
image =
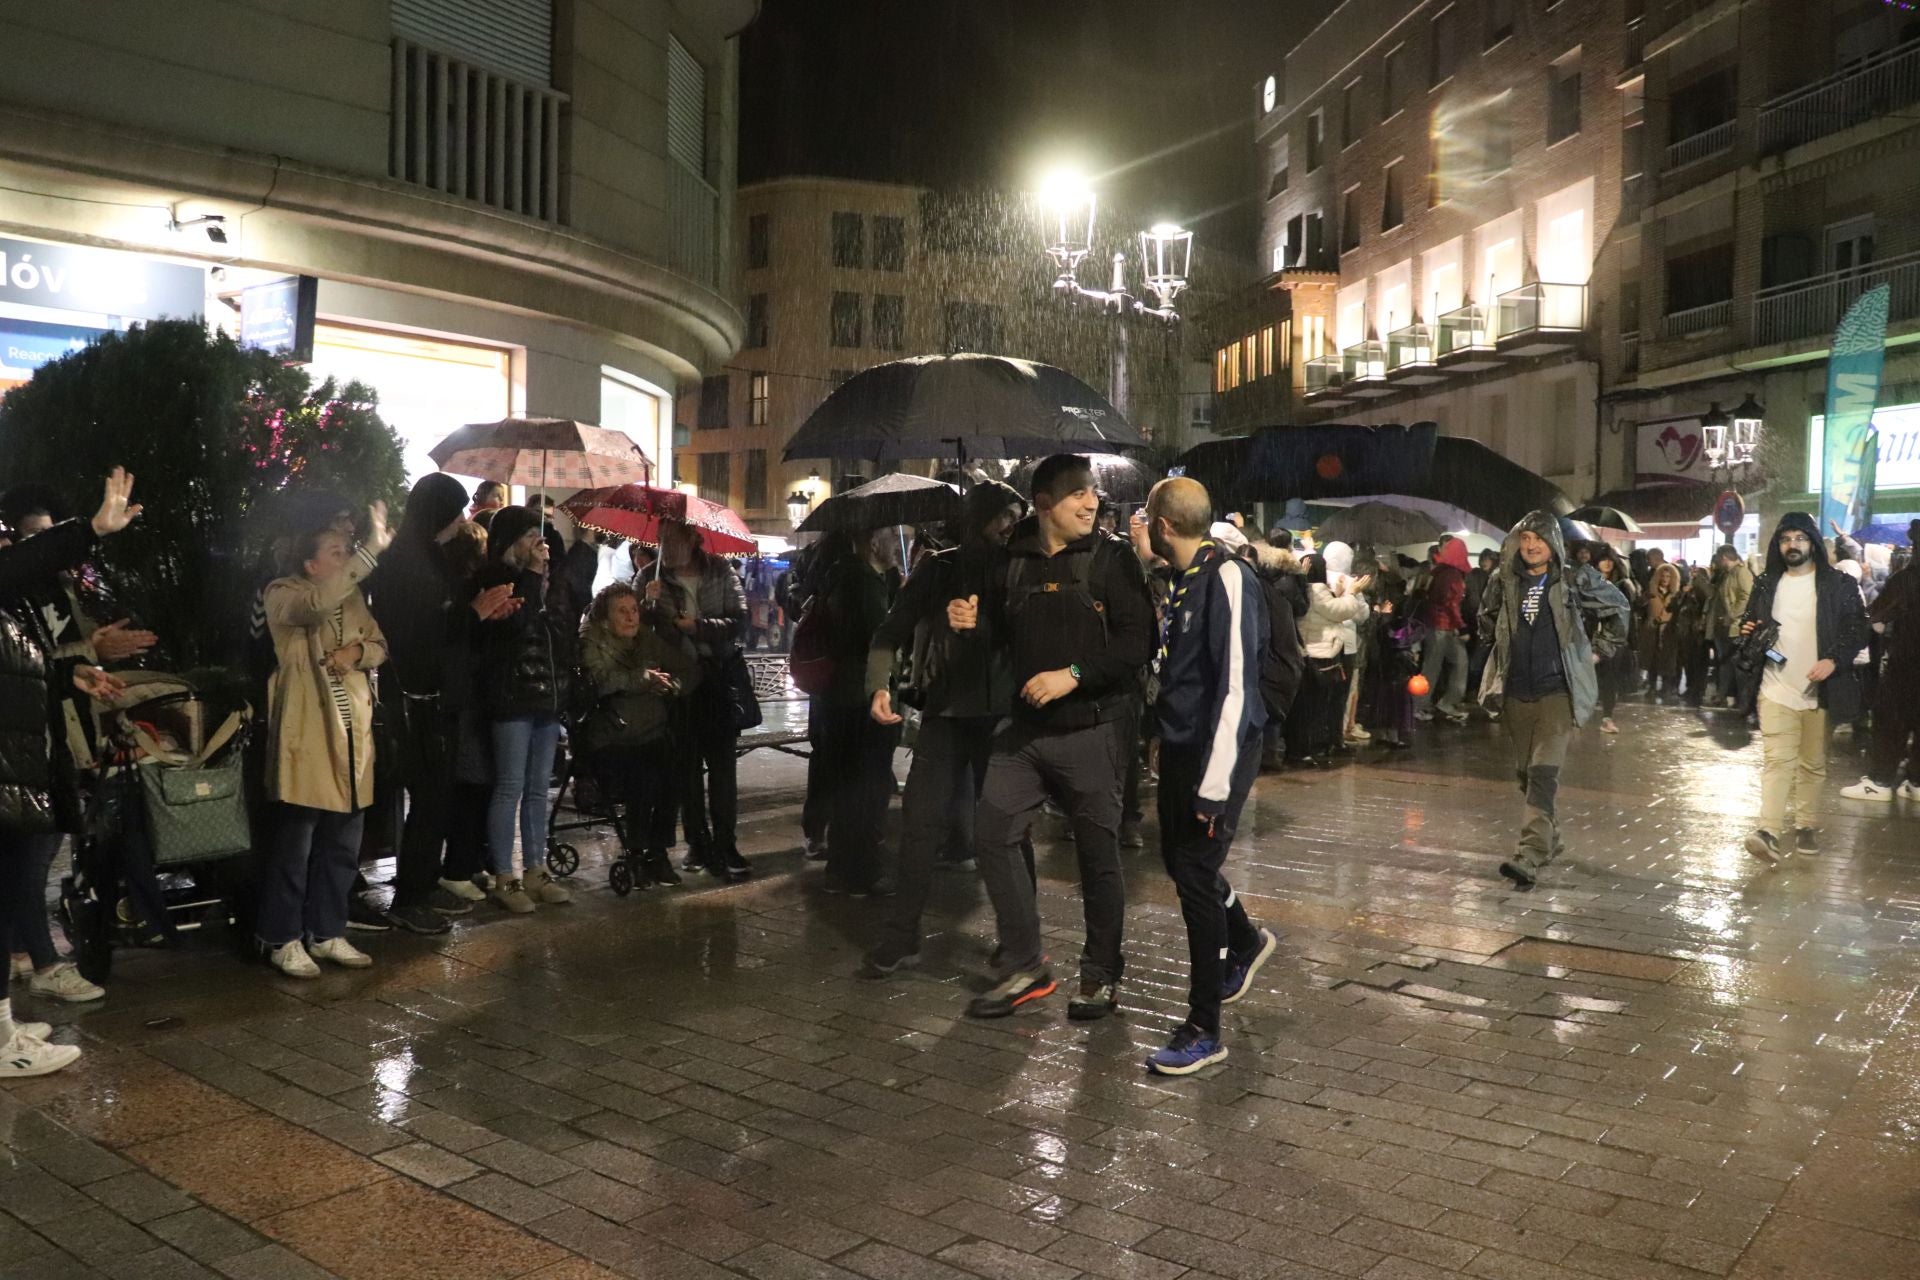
pixel 1496 122
pixel 1393 81
pixel 849 240
pixel 1629 308
pixel 757 400
pixel 1563 98
pixel 1296 239
pixel 713 403
pixel 1705 104
pixel 757 241
pixel 889 243
pixel 889 321
pixel 1316 240
pixel 1316 140
pixel 1393 208
pixel 973 326
pixel 1499 22
pixel 1350 220
pixel 1700 278
pixel 1281 177
pixel 1440 53
pixel 755 498
pixel 686 108
pixel 1266 352
pixel 756 320
pixel 716 477
pixel 1350 126
pixel 846 320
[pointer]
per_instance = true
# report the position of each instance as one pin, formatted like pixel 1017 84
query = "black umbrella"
pixel 1118 477
pixel 892 499
pixel 1601 517
pixel 1377 524
pixel 965 406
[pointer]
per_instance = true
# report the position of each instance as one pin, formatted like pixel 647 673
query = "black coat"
pixel 526 658
pixel 37 790
pixel 1840 627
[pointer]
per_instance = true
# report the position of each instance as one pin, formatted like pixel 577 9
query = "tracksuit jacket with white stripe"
pixel 1210 678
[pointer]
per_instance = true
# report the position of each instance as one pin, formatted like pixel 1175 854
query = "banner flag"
pixel 1853 387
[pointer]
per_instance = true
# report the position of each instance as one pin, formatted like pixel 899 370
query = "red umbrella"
pixel 543 453
pixel 636 510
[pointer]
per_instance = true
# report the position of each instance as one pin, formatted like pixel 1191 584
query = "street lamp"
pixel 1067 213
pixel 1166 251
pixel 798 504
pixel 1730 440
pixel 1747 417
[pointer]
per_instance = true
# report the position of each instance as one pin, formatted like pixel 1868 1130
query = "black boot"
pixel 732 866
pixel 657 867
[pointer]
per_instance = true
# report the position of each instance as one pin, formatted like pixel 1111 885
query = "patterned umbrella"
pixel 543 453
pixel 636 511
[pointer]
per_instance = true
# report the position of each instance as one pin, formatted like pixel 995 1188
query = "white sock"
pixel 6 1021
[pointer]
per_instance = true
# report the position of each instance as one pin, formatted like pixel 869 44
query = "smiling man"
pixel 1073 612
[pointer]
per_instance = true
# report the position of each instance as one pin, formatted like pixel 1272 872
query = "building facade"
pixel 1571 229
pixel 509 206
pixel 836 275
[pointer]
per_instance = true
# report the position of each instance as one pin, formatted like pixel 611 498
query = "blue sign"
pixel 100 281
pixel 278 316
pixel 1853 387
pixel 25 345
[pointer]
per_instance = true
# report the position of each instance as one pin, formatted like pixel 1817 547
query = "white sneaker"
pixel 293 960
pixel 29 1055
pixel 1868 789
pixel 22 967
pixel 465 890
pixel 1908 791
pixel 38 1030
pixel 63 982
pixel 341 952
pixel 1357 734
pixel 544 888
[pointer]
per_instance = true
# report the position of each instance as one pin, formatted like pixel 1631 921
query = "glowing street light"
pixel 1067 219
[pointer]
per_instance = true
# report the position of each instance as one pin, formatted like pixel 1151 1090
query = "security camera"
pixel 213 222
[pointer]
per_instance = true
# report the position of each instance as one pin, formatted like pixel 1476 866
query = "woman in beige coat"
pixel 320 757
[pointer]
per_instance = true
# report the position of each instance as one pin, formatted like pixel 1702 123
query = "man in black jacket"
pixel 1075 616
pixel 963 691
pixel 1806 682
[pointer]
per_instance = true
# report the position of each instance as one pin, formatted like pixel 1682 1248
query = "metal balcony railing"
pixel 1708 142
pixel 1464 330
pixel 1811 308
pixel 1636 48
pixel 692 209
pixel 474 132
pixel 1871 87
pixel 1694 320
pixel 1324 374
pixel 1542 307
pixel 1664 15
pixel 1410 348
pixel 1365 361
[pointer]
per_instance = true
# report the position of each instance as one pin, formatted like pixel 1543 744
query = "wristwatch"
pixel 1073 669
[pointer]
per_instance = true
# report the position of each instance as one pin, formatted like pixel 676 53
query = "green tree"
pixel 217 437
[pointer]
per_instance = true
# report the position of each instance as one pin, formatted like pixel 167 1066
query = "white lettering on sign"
pixel 1898 466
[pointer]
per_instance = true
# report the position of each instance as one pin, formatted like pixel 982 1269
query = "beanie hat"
pixel 509 525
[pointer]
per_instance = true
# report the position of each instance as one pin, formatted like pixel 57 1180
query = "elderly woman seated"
pixel 625 739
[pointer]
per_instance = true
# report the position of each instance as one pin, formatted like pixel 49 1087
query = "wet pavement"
pixel 1666 1061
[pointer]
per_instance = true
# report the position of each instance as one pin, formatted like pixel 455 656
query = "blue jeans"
pixel 310 868
pixel 522 771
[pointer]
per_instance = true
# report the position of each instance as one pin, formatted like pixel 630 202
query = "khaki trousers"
pixel 1794 746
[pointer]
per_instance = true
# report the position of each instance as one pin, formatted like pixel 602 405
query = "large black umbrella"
pixel 1378 524
pixel 1118 477
pixel 1601 516
pixel 892 499
pixel 962 406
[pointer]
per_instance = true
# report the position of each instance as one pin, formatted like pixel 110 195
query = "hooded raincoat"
pixel 1575 593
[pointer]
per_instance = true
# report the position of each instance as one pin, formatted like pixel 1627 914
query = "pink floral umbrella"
pixel 636 511
pixel 543 453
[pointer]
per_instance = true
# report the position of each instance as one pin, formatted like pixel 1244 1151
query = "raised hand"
pixel 117 510
pixel 116 641
pixel 379 537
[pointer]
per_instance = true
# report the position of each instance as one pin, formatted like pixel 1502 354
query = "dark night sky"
pixel 949 93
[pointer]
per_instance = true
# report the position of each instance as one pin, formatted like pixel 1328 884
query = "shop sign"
pixel 1898 466
pixel 1670 451
pixel 278 316
pixel 25 345
pixel 99 281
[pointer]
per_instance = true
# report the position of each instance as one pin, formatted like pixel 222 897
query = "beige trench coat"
pixel 309 760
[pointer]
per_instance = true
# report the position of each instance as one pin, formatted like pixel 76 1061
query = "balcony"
pixel 1811 308
pixel 472 132
pixel 1662 18
pixel 693 208
pixel 1541 318
pixel 1703 145
pixel 1466 341
pixel 1873 87
pixel 1635 51
pixel 1410 356
pixel 1364 362
pixel 1696 320
pixel 1325 375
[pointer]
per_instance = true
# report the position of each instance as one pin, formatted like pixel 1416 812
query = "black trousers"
pixel 1896 717
pixel 467 830
pixel 1217 923
pixel 710 772
pixel 641 777
pixel 429 748
pixel 949 769
pixel 813 811
pixel 859 758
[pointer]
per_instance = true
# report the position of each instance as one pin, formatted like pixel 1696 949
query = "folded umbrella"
pixel 637 511
pixel 892 499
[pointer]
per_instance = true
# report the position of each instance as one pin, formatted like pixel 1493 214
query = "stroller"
pixel 164 824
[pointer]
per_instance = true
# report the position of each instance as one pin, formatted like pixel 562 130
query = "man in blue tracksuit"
pixel 1209 715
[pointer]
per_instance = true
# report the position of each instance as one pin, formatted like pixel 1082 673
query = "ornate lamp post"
pixel 1067 219
pixel 1729 441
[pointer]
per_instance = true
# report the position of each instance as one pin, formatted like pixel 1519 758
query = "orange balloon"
pixel 1419 687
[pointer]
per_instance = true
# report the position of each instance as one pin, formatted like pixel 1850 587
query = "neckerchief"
pixel 1207 553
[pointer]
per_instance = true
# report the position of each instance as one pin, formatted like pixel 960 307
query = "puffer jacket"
pixel 526 658
pixel 1339 561
pixel 26 743
pixel 627 710
pixel 1327 630
pixel 1576 593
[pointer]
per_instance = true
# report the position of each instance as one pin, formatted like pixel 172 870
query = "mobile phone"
pixel 1774 655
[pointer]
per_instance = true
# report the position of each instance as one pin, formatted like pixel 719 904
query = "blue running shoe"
pixel 1240 971
pixel 1186 1053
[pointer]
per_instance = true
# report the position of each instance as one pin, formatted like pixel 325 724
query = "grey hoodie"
pixel 1575 590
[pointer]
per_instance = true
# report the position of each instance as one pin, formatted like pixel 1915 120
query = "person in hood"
pixel 1895 618
pixel 1349 649
pixel 1542 670
pixel 1806 682
pixel 414 595
pixel 963 693
pixel 1209 720
pixel 1075 616
pixel 1313 728
pixel 1444 654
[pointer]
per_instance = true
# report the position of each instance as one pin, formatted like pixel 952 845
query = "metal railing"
pixel 1542 306
pixel 1636 50
pixel 1464 329
pixel 1694 320
pixel 1811 308
pixel 692 209
pixel 474 132
pixel 1324 373
pixel 1365 361
pixel 1872 87
pixel 1708 142
pixel 1410 348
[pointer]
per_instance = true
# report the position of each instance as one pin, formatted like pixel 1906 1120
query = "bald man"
pixel 1209 719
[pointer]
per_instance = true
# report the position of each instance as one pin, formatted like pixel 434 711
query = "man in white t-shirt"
pixel 1806 682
